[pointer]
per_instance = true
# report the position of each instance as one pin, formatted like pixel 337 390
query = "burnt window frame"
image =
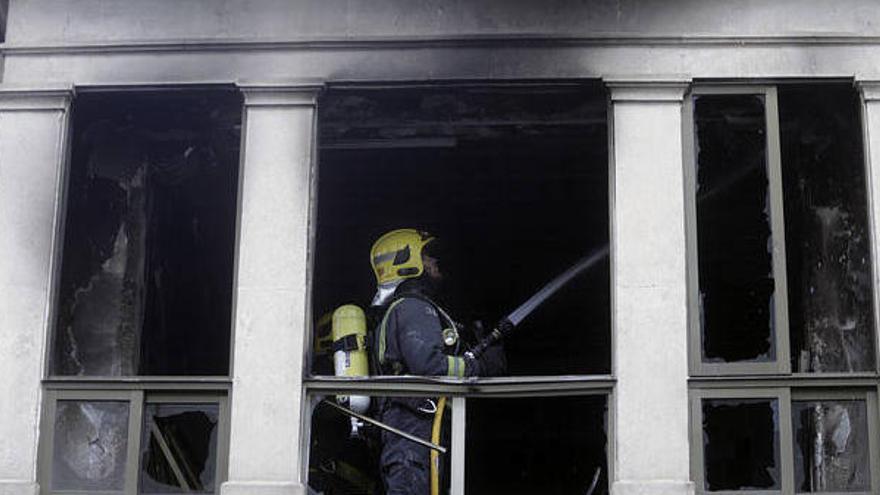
pixel 137 391
pixel 137 397
pixel 457 390
pixel 781 364
pixel 772 379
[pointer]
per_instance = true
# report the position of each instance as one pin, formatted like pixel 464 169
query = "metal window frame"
pixel 136 397
pixel 783 428
pixel 801 390
pixel 750 381
pixel 134 389
pixel 869 397
pixel 773 162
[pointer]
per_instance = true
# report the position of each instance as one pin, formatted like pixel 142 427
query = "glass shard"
pixel 741 444
pixel 90 445
pixel 733 229
pixel 828 256
pixel 831 446
pixel 179 448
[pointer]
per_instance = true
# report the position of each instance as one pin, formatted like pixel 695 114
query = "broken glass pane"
pixel 347 455
pixel 831 446
pixel 733 229
pixel 179 448
pixel 741 444
pixel 827 234
pixel 90 445
pixel 537 445
pixel 146 284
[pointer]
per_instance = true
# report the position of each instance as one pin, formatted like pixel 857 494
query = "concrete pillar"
pixel 270 312
pixel 870 90
pixel 649 289
pixel 33 126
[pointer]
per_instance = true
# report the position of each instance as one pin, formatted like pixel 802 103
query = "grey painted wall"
pixel 70 21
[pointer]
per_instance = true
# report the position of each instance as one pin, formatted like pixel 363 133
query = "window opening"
pixel 781 218
pixel 802 189
pixel 513 181
pixel 4 17
pixel 741 444
pixel 734 232
pixel 831 446
pixel 344 454
pixel 146 283
pixel 831 309
pixel 91 445
pixel 507 452
pixel 515 184
pixel 179 448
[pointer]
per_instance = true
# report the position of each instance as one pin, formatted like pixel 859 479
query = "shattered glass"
pixel 179 448
pixel 741 444
pixel 827 233
pixel 831 446
pixel 146 285
pixel 733 229
pixel 90 445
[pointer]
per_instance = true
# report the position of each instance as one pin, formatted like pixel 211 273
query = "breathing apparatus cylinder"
pixel 349 332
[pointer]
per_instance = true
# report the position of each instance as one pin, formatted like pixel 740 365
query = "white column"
pixel 271 297
pixel 870 90
pixel 649 289
pixel 33 126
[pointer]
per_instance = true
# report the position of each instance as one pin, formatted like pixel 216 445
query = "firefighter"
pixel 415 337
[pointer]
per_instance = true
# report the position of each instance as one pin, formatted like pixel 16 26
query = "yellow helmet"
pixel 395 257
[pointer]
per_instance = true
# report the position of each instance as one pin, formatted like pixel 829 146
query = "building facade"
pixel 183 186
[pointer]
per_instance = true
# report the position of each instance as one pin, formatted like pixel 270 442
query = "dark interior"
pixel 827 248
pixel 557 445
pixel 830 295
pixel 146 285
pixel 514 445
pixel 512 180
pixel 733 229
pixel 741 444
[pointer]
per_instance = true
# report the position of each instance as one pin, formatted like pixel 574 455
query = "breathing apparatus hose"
pixel 435 438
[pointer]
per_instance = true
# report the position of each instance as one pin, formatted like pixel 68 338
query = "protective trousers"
pixel 405 464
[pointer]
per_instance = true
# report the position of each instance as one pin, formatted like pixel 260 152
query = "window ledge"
pixel 419 385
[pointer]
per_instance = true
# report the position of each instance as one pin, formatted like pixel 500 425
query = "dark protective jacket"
pixel 410 341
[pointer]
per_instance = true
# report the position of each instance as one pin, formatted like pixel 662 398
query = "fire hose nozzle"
pixel 501 330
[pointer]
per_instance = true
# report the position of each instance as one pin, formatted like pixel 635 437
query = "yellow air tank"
pixel 349 334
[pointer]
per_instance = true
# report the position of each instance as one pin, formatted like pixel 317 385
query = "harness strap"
pixel 383 327
pixel 351 342
pixel 455 365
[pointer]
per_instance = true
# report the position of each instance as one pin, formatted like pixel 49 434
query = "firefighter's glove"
pixel 493 362
pixel 505 326
pixel 479 330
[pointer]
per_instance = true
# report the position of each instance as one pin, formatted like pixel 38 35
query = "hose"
pixel 435 438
